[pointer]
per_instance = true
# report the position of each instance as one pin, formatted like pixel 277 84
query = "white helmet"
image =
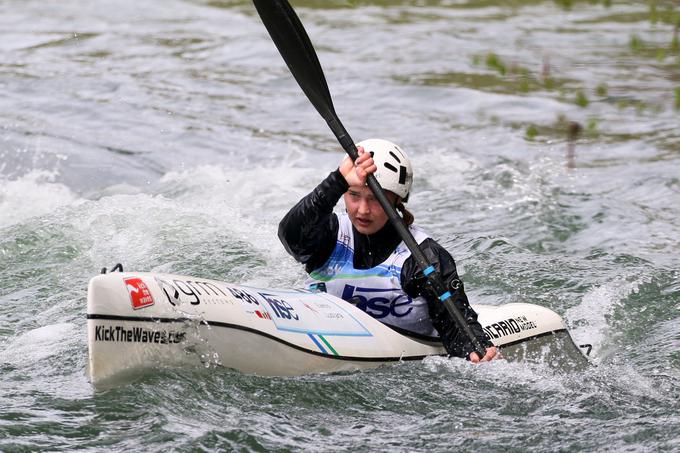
pixel 394 171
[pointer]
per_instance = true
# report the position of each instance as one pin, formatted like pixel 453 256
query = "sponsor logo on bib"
pixel 379 302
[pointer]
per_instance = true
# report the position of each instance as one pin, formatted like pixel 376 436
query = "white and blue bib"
pixel 377 290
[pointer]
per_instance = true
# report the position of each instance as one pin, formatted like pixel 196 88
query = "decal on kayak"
pixel 243 296
pixel 509 326
pixel 140 295
pixel 122 334
pixel 313 315
pixel 321 346
pixel 193 292
pixel 262 314
pixel 249 303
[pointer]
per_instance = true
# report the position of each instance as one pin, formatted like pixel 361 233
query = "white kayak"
pixel 138 321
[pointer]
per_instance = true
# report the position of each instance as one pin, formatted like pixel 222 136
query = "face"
pixel 364 211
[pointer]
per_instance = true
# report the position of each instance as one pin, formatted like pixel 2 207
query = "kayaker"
pixel 360 257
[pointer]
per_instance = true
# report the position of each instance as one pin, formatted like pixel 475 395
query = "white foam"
pixel 243 189
pixel 233 199
pixel 536 375
pixel 38 344
pixel 32 195
pixel 588 321
pixel 202 217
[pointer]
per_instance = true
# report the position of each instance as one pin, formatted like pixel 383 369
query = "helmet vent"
pixel 402 175
pixel 391 167
pixel 395 156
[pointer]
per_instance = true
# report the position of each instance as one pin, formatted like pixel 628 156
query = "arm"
pixel 309 230
pixel 414 283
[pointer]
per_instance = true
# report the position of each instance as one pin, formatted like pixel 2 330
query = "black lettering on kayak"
pixel 489 333
pixel 188 290
pixel 244 296
pixel 171 292
pixel 528 325
pixel 209 288
pixel 504 326
pixel 282 309
pixel 508 327
pixel 119 334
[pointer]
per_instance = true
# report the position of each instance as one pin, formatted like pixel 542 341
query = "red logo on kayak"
pixel 261 314
pixel 140 295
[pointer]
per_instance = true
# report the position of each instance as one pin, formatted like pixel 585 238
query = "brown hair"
pixel 405 213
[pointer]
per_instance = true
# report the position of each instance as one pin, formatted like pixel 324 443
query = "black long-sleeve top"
pixel 309 233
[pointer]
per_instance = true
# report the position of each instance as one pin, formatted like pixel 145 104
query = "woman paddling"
pixel 359 256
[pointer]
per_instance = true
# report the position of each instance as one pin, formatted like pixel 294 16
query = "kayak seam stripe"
pixel 294 346
pixel 255 331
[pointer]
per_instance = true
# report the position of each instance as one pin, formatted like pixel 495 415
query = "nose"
pixel 364 207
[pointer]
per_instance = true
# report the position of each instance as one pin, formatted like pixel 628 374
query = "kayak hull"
pixel 141 321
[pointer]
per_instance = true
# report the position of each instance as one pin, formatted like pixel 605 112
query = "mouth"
pixel 363 222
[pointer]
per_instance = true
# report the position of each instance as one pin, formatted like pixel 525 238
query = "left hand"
pixel 490 355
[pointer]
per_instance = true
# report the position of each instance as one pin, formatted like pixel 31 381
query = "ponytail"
pixel 405 213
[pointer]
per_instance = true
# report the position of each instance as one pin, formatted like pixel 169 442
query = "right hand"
pixel 490 355
pixel 355 173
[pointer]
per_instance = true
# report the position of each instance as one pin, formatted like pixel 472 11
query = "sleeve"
pixel 309 230
pixel 415 284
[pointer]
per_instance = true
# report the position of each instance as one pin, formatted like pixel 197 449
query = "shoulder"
pixel 434 251
pixel 418 233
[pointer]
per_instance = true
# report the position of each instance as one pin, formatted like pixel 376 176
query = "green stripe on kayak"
pixel 328 344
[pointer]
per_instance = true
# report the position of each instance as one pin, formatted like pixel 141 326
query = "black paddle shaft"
pixel 297 51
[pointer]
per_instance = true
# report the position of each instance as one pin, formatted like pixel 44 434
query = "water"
pixel 169 136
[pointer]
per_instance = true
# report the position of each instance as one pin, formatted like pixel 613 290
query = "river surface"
pixel 169 136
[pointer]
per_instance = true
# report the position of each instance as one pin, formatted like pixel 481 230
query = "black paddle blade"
pixel 297 51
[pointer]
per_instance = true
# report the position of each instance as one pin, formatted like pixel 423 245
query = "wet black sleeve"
pixel 415 284
pixel 309 230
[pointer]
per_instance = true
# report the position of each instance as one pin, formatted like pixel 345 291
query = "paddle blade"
pixel 297 51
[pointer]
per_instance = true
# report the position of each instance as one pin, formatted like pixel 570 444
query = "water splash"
pixel 34 194
pixel 589 321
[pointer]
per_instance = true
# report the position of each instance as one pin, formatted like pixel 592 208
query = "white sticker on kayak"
pixel 311 315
